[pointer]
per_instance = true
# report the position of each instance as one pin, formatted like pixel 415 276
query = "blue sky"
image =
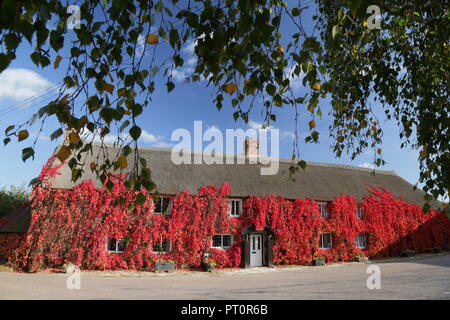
pixel 167 112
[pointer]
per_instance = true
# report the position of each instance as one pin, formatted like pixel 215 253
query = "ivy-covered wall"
pixel 74 226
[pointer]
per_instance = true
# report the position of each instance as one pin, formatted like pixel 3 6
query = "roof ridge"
pixel 284 160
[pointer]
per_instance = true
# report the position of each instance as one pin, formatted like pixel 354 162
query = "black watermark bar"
pixel 217 309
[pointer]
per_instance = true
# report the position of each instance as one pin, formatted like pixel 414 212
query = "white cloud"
pixel 366 165
pixel 20 84
pixel 296 81
pixel 284 134
pixel 190 46
pixel 258 125
pixel 180 74
pixel 288 135
pixel 146 138
pixel 140 48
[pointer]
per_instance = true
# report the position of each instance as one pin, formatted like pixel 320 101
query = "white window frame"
pixel 321 241
pixel 169 247
pixel 169 207
pixel 323 208
pixel 221 241
pixel 357 242
pixel 359 211
pixel 116 250
pixel 230 207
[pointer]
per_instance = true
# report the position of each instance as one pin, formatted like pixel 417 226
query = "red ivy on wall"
pixel 74 225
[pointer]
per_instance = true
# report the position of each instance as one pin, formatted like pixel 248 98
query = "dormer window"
pixel 163 206
pixel 235 207
pixel 323 207
pixel 359 211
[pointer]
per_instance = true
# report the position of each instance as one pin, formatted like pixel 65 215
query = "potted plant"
pixel 209 265
pixel 318 260
pixel 361 258
pixel 408 253
pixel 437 250
pixel 164 265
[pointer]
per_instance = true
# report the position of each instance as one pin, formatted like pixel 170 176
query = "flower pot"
pixel 362 259
pixel 164 267
pixel 409 253
pixel 208 267
pixel 319 262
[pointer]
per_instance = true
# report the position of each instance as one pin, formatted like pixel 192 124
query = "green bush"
pixel 12 197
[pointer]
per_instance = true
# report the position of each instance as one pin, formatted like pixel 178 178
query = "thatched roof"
pixel 319 181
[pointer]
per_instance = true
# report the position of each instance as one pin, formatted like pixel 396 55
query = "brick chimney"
pixel 251 147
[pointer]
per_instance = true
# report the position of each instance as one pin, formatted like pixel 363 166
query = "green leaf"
pixel 270 89
pixel 27 153
pixel 170 85
pixel 135 132
pixel 335 31
pixel 56 134
pixel 140 198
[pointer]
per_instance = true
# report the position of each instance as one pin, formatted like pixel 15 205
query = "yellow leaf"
pixel 340 139
pixel 365 24
pixel 280 48
pixel 316 86
pixel 23 134
pixel 248 87
pixel 92 165
pixel 152 39
pixel 231 88
pixel 73 137
pixel 109 87
pixel 379 150
pixel 122 162
pixel 312 124
pixel 82 122
pixel 57 61
pixel 121 92
pixel 64 99
pixel 63 153
pixel 423 153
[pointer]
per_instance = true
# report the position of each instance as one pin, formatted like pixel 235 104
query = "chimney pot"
pixel 251 147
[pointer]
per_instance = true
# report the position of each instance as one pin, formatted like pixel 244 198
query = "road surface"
pixel 424 277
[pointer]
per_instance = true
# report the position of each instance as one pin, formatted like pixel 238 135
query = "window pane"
pixel 158 206
pixel 237 211
pixel 166 245
pixel 121 245
pixel 217 241
pixel 323 210
pixel 157 247
pixel 112 244
pixel 226 240
pixel 359 211
pixel 165 205
pixel 361 240
pixel 325 241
